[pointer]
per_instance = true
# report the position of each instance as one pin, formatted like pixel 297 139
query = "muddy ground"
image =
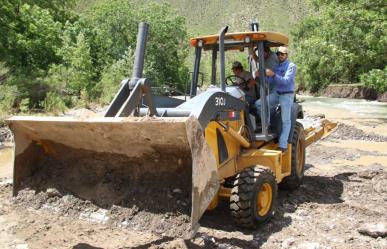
pixel 342 204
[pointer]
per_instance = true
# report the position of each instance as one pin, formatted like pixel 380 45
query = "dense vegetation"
pixel 345 41
pixel 58 54
pixel 57 58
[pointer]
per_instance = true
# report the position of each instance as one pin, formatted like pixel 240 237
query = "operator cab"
pixel 237 46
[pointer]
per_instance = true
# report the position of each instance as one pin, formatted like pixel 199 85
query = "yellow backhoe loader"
pixel 147 147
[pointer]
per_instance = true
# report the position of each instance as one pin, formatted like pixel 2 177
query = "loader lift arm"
pixel 128 98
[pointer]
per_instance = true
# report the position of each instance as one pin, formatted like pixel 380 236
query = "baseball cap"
pixel 236 65
pixel 283 50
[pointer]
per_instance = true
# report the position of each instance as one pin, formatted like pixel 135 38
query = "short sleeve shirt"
pixel 247 77
pixel 244 75
pixel 271 62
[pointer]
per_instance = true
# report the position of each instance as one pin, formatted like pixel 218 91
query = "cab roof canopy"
pixel 240 40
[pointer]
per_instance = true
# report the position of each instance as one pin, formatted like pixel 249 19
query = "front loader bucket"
pixel 158 165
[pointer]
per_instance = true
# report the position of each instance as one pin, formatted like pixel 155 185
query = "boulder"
pixel 382 97
pixel 351 91
pixel 374 230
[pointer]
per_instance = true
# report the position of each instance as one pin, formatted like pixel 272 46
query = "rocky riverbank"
pixel 6 137
pixel 354 92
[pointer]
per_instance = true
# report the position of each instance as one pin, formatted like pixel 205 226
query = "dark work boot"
pixel 283 150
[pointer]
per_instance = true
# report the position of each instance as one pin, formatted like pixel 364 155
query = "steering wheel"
pixel 231 80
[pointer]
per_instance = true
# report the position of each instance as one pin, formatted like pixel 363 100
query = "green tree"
pixel 70 81
pixel 30 33
pixel 61 58
pixel 59 9
pixel 75 73
pixel 341 41
pixel 29 39
pixel 113 26
pixel 167 48
pixel 108 85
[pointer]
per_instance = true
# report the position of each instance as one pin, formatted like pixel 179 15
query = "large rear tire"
pixel 296 177
pixel 253 197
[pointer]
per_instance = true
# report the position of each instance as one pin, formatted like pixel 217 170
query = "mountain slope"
pixel 207 17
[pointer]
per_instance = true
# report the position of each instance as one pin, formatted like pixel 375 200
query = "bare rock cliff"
pixel 354 92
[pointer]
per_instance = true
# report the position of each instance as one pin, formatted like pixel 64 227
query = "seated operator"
pixel 246 82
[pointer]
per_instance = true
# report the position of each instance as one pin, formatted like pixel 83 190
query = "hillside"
pixel 206 17
pixel 209 16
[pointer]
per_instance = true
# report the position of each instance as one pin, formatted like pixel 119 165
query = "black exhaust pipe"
pixel 138 65
pixel 222 33
pixel 254 26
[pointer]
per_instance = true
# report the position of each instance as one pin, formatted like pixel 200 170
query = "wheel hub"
pixel 264 200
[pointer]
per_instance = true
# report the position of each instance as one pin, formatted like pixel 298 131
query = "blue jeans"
pixel 286 102
pixel 250 99
pixel 272 99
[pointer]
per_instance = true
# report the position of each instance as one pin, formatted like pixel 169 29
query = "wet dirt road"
pixel 342 204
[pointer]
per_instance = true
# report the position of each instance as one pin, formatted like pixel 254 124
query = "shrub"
pixel 8 95
pixel 112 75
pixel 54 103
pixel 376 79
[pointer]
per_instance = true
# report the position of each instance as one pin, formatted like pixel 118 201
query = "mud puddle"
pixel 6 157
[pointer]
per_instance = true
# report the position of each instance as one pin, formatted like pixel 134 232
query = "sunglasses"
pixel 279 53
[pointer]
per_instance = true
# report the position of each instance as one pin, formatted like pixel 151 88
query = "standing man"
pixel 271 59
pixel 283 78
pixel 271 62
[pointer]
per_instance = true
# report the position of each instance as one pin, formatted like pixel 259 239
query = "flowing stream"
pixel 361 107
pixel 6 154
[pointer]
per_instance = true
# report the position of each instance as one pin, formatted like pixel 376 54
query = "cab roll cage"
pixel 265 112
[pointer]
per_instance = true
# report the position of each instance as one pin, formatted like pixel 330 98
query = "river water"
pixel 6 154
pixel 361 107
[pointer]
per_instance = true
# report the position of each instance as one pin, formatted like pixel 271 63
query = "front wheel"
pixel 253 197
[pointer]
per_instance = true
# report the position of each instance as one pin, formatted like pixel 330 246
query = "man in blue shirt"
pixel 283 78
